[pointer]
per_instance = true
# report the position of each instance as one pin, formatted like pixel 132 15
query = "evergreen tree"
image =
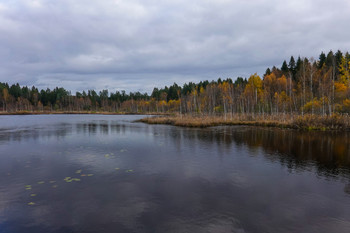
pixel 298 64
pixel 267 72
pixel 15 90
pixel 284 67
pixel 322 60
pixel 330 59
pixel 338 56
pixel 292 67
pixel 172 93
pixel 155 93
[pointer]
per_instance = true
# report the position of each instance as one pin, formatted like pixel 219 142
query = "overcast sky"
pixel 135 45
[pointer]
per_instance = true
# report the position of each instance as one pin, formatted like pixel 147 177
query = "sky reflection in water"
pixel 133 177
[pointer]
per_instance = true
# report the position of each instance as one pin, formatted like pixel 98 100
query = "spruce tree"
pixel 292 67
pixel 267 72
pixel 330 59
pixel 322 60
pixel 284 67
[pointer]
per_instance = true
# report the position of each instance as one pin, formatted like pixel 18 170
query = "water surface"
pixel 95 173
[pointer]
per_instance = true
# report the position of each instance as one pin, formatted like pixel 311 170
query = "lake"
pixel 103 173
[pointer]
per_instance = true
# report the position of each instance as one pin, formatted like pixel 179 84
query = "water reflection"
pixel 156 178
pixel 63 130
pixel 329 151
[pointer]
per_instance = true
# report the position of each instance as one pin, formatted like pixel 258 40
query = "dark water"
pixel 91 173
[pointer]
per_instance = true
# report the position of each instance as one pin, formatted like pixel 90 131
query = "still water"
pixel 95 173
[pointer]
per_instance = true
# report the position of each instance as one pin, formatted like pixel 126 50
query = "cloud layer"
pixel 138 44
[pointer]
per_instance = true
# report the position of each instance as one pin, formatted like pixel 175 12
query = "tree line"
pixel 303 85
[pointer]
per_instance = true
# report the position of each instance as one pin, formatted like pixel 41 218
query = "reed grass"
pixel 306 122
pixel 77 112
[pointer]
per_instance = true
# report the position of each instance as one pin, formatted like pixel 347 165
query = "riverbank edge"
pixel 306 122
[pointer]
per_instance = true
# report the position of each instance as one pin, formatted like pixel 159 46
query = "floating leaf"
pixel 82 175
pixel 90 174
pixel 67 178
pixel 129 170
pixel 32 195
pixel 54 186
pixel 31 203
pixel 75 179
pixel 78 171
pixel 123 150
pixel 52 181
pixel 106 155
pixel 41 182
pixel 117 168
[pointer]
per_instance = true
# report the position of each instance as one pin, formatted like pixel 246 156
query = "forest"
pixel 300 86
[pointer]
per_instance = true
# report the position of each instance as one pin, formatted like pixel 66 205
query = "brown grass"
pixel 306 122
pixel 74 112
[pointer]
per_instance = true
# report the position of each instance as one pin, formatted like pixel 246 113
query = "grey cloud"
pixel 136 45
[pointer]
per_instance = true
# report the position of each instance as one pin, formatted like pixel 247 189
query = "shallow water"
pixel 95 173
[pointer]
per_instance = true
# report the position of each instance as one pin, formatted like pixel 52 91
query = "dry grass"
pixel 306 122
pixel 333 122
pixel 74 112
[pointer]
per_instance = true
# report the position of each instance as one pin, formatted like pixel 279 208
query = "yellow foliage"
pixel 346 105
pixel 284 96
pixel 344 70
pixel 255 81
pixel 254 86
pixel 324 99
pixel 162 102
pixel 316 104
pixel 171 102
pixel 340 87
pixel 282 82
pixel 270 79
pixel 281 97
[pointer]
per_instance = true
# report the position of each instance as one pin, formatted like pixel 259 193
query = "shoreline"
pixel 76 113
pixel 298 122
pixel 306 122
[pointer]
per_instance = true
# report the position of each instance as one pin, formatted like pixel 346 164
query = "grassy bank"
pixel 306 122
pixel 74 112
